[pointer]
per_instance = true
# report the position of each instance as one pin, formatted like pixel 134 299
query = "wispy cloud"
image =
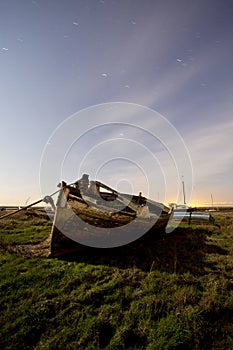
pixel 212 158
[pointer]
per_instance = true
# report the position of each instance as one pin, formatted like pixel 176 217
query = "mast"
pixel 184 192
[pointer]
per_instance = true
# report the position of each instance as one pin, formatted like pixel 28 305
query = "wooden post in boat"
pixel 56 235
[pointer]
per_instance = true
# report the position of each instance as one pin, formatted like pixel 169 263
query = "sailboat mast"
pixel 212 202
pixel 184 192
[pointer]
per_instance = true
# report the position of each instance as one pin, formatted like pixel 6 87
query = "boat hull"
pixel 80 225
pixel 70 234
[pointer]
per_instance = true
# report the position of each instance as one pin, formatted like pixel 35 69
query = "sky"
pixel 172 59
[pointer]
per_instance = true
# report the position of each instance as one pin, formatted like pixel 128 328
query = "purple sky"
pixel 58 57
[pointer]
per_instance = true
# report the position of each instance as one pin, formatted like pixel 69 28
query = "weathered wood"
pixel 93 216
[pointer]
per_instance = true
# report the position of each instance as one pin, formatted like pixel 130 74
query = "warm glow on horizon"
pixel 196 204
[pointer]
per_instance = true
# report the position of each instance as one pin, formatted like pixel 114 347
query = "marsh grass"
pixel 28 235
pixel 176 294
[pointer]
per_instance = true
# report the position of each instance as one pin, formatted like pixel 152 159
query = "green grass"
pixel 27 235
pixel 30 227
pixel 178 295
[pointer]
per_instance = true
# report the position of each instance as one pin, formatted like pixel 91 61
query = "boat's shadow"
pixel 181 251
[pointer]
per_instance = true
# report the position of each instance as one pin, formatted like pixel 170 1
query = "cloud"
pixel 211 150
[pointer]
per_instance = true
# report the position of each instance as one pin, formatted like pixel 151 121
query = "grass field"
pixel 175 294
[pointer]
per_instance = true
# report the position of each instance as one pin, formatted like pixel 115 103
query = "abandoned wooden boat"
pixel 92 215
